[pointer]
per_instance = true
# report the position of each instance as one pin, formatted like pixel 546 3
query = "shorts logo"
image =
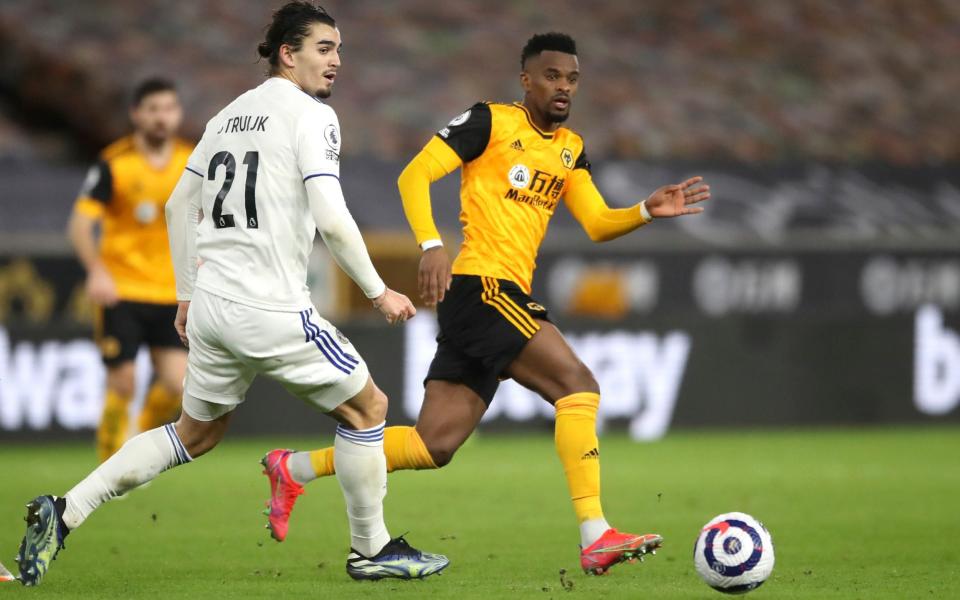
pixel 566 155
pixel 536 307
pixel 444 133
pixel 110 347
pixel 519 176
pixel 332 136
pixel 459 119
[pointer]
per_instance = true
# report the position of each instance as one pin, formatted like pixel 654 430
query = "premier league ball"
pixel 734 553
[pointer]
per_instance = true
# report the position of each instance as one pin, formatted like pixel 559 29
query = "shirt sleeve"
pixel 182 213
pixel 341 234
pixel 598 220
pixel 583 162
pixel 96 191
pixel 318 143
pixel 433 162
pixel 197 161
pixel 468 133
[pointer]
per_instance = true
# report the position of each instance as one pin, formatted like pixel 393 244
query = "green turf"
pixel 868 514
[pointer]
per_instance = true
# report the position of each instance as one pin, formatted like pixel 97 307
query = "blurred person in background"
pixel 129 270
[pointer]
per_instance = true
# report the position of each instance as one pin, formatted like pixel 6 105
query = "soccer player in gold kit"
pixel 130 273
pixel 518 163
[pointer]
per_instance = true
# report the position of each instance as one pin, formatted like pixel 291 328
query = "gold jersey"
pixel 128 194
pixel 514 176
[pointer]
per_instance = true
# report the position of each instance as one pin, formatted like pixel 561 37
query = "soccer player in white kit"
pixel 241 222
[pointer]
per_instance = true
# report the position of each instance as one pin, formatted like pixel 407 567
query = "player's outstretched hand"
pixel 676 200
pixel 180 322
pixel 396 307
pixel 101 288
pixel 433 279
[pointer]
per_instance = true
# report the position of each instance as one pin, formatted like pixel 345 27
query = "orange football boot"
pixel 283 492
pixel 613 548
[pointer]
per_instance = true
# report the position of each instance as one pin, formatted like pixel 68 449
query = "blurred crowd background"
pixel 852 81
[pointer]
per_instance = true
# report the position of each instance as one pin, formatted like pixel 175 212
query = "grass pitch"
pixel 854 513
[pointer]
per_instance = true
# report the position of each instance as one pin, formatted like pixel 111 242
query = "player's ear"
pixel 286 56
pixel 525 81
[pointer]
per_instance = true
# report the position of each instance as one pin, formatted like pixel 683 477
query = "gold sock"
pixel 112 431
pixel 575 435
pixel 322 462
pixel 401 444
pixel 159 408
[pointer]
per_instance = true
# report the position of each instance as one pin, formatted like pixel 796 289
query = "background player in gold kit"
pixel 130 274
pixel 518 163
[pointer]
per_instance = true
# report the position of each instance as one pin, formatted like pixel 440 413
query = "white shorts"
pixel 231 343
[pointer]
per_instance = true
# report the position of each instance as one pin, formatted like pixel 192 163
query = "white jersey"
pixel 257 230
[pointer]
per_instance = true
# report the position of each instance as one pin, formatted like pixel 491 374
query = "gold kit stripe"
pixel 524 315
pixel 498 303
pixel 492 298
pixel 520 313
pixel 97 324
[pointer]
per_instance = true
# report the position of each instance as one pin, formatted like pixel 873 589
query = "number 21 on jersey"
pixel 226 160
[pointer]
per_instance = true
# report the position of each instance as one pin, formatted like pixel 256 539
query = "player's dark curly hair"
pixel 150 86
pixel 291 23
pixel 559 42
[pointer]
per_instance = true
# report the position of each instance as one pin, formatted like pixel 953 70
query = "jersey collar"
pixel 544 134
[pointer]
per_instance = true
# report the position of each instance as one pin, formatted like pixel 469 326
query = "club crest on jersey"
pixel 332 136
pixel 566 155
pixel 459 119
pixel 145 212
pixel 519 176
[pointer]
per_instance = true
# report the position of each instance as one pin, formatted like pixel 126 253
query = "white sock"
pixel 362 473
pixel 300 467
pixel 591 530
pixel 138 461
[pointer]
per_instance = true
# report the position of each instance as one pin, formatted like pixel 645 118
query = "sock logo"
pixel 594 454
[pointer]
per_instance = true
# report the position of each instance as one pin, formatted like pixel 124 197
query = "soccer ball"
pixel 734 553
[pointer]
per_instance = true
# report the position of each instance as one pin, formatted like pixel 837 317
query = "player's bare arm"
pixel 100 286
pixel 396 307
pixel 678 200
pixel 180 322
pixel 433 277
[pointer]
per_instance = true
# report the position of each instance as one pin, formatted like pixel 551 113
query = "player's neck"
pixel 157 154
pixel 539 119
pixel 289 77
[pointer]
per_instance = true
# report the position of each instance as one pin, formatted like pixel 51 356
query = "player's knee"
pixel 371 413
pixel 174 387
pixel 199 437
pixel 441 450
pixel 576 379
pixel 120 381
pixel 441 455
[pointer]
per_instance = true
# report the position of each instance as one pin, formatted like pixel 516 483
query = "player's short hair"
pixel 558 42
pixel 291 23
pixel 151 86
